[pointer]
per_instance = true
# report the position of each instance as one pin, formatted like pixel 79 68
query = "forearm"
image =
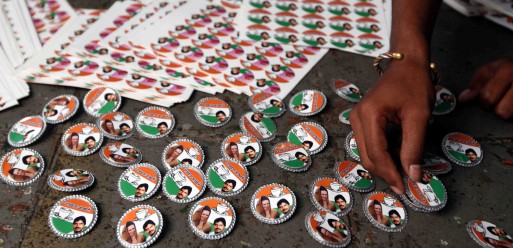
pixel 412 26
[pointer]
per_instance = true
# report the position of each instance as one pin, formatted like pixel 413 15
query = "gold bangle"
pixel 399 56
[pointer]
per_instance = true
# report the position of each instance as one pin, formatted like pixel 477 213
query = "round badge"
pixel 101 100
pixel 116 125
pixel 328 229
pixel 291 157
pixel 268 104
pixel 183 152
pixel 256 124
pixel 354 176
pixel 344 116
pixel 70 180
pixel 139 227
pixel 242 147
pixel 73 216
pixel 385 212
pixel 487 234
pixel 60 109
pixel 351 148
pixel 273 203
pixel 227 177
pixel 328 194
pixel 82 139
pixel 22 167
pixel 445 101
pixel 309 135
pixel 155 122
pixel 347 90
pixel 307 102
pixel 212 218
pixel 120 154
pixel 184 183
pixel 26 131
pixel 139 182
pixel 462 149
pixel 435 164
pixel 212 112
pixel 429 193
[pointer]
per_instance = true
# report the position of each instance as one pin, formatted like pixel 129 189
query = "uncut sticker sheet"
pixel 49 15
pixel 203 39
pixel 61 67
pixel 353 26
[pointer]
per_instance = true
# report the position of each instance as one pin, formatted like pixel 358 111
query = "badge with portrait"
pixel 227 177
pixel 307 102
pixel 139 182
pixel 462 149
pixel 26 131
pixel 309 135
pixel 212 112
pixel 385 212
pixel 82 139
pixel 328 229
pixel 155 122
pixel 354 176
pixel 184 183
pixel 120 154
pixel 426 195
pixel 183 152
pixel 261 127
pixel 328 194
pixel 60 109
pixel 70 180
pixel 73 216
pixel 116 125
pixel 212 218
pixel 291 157
pixel 242 147
pixel 273 203
pixel 22 167
pixel 266 103
pixel 140 226
pixel 487 234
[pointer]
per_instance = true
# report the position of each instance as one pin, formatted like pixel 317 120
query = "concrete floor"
pixel 460 45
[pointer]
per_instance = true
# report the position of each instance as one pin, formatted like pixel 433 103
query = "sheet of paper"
pixel 49 16
pixel 353 26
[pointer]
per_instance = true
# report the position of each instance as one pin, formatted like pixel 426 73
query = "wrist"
pixel 414 47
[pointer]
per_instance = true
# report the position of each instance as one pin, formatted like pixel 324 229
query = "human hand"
pixel 493 85
pixel 405 96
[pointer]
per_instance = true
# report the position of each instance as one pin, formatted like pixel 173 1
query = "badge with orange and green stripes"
pixel 73 216
pixel 309 135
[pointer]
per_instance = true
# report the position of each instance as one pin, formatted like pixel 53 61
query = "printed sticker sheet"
pixel 353 26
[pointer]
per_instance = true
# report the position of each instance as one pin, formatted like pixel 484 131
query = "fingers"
pixel 377 151
pixel 354 119
pixel 414 124
pixel 481 76
pixel 495 88
pixel 504 109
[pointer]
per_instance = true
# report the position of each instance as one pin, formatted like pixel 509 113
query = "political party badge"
pixel 101 100
pixel 487 234
pixel 70 180
pixel 273 203
pixel 385 212
pixel 307 102
pixel 183 152
pixel 309 135
pixel 435 164
pixel 82 139
pixel 351 148
pixel 73 216
pixel 344 116
pixel 22 167
pixel 268 104
pixel 354 176
pixel 242 147
pixel 429 193
pixel 328 229
pixel 329 194
pixel 256 124
pixel 445 101
pixel 347 90
pixel 212 112
pixel 154 122
pixel 60 109
pixel 212 218
pixel 26 131
pixel 291 157
pixel 116 125
pixel 120 154
pixel 139 182
pixel 139 227
pixel 227 177
pixel 462 149
pixel 184 183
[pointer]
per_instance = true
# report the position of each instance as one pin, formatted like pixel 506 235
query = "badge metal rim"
pixel 191 199
pixel 148 195
pixel 28 142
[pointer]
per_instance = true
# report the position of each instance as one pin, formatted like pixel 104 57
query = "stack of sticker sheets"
pixel 161 51
pixel 498 11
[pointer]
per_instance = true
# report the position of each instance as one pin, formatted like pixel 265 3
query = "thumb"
pixel 477 82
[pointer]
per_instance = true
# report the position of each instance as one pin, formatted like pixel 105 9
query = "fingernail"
pixel 464 95
pixel 396 190
pixel 415 171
